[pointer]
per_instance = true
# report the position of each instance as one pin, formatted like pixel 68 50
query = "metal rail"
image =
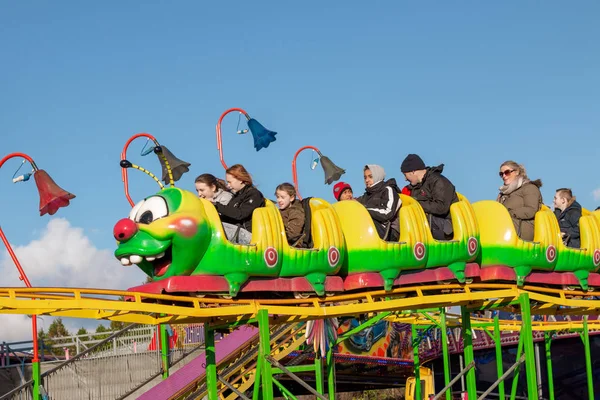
pixel 295 378
pixel 147 308
pixel 502 378
pixel 453 381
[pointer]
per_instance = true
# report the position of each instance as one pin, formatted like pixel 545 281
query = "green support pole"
pixel 211 363
pixel 319 375
pixel 515 381
pixel 330 360
pixel 498 345
pixel 445 354
pixel 526 331
pixel 265 350
pixel 164 350
pixel 256 395
pixel 415 343
pixel 286 393
pixel 548 341
pixel 588 358
pixel 468 350
pixel 36 376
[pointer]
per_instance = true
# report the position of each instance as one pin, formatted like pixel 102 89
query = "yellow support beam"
pixel 505 325
pixel 147 308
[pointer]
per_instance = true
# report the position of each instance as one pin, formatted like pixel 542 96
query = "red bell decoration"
pixel 52 196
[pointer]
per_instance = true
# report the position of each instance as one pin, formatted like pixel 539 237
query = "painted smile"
pixel 157 263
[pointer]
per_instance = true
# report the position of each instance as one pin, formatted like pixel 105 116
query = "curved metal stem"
pixel 295 172
pixel 219 137
pixel 22 155
pixel 124 176
pixel 22 274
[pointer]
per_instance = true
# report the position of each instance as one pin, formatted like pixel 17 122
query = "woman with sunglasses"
pixel 521 196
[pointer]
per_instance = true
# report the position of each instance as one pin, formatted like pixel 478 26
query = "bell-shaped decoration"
pixel 178 167
pixel 332 171
pixel 262 136
pixel 52 196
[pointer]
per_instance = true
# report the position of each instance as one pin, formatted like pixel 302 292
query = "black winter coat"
pixel 239 210
pixel 381 201
pixel 436 194
pixel 568 221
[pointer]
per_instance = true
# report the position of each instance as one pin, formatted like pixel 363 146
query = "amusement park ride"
pixel 197 275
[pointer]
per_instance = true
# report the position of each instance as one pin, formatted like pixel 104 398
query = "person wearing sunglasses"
pixel 521 196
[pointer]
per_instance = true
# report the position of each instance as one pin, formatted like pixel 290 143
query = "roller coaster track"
pixel 154 309
pixel 240 369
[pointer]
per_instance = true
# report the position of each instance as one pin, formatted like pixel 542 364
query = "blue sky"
pixel 468 84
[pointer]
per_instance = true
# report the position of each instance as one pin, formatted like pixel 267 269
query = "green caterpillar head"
pixel 165 235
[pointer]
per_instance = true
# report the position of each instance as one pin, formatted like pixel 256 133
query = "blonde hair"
pixel 518 168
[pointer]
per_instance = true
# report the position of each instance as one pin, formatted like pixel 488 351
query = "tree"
pixel 57 329
pixel 100 329
pixel 83 334
pixel 82 331
pixel 43 342
pixel 116 325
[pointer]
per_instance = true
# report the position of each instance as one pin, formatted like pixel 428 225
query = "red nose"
pixel 124 230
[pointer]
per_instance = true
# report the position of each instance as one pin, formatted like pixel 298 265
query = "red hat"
pixel 339 188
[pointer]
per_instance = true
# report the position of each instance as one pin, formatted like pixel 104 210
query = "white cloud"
pixel 15 327
pixel 596 194
pixel 63 256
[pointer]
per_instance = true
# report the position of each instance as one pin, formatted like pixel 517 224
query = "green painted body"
pixel 189 231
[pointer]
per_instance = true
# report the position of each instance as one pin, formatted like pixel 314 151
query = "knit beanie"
pixel 412 162
pixel 377 171
pixel 339 188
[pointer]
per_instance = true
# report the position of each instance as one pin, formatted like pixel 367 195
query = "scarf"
pixel 505 190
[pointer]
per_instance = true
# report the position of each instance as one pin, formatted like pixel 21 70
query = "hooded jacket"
pixel 293 220
pixel 239 210
pixel 222 197
pixel 435 193
pixel 522 204
pixel 568 220
pixel 382 202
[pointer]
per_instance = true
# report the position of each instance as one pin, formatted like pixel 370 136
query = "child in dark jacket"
pixel 568 212
pixel 292 212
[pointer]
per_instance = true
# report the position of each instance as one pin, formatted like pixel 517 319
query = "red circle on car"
pixel 271 257
pixel 472 245
pixel 597 257
pixel 333 256
pixel 419 251
pixel 551 253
